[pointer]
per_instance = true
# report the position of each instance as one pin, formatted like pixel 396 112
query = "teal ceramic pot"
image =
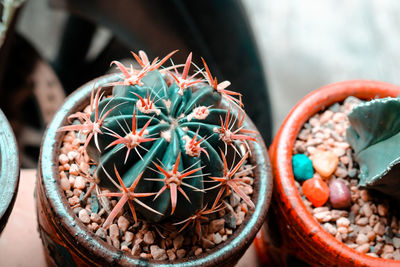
pixel 68 242
pixel 9 170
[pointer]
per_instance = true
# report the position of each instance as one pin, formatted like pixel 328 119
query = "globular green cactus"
pixel 164 144
pixel 374 134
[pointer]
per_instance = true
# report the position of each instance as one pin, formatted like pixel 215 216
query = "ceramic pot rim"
pixel 281 154
pixel 48 170
pixel 9 167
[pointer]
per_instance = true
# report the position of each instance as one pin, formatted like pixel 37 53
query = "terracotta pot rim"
pixel 9 169
pixel 281 154
pixel 48 170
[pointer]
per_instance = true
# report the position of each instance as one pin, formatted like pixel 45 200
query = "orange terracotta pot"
pixel 300 234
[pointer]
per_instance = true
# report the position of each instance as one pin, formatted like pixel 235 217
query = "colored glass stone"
pixel 325 162
pixel 339 194
pixel 302 167
pixel 316 191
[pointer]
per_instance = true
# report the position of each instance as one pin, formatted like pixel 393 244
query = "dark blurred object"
pixel 29 93
pixel 216 30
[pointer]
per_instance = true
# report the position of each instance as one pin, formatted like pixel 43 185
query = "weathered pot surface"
pixel 302 236
pixel 9 170
pixel 70 242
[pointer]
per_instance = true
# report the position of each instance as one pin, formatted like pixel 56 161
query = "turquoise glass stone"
pixel 302 167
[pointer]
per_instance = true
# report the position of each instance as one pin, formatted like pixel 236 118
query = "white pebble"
pixel 84 216
pixel 363 221
pixel 361 239
pixel 342 230
pixel 72 155
pixel 330 228
pixel 63 159
pixel 74 169
pixel 80 183
pixel 343 222
pixel 324 216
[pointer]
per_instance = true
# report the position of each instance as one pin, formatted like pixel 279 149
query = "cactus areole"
pixel 163 144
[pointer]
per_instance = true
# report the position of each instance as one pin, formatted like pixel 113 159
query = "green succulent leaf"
pixel 374 135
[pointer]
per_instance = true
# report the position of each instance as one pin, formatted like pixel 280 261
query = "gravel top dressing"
pixel 363 220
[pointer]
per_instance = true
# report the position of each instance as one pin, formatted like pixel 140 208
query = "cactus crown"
pixel 162 142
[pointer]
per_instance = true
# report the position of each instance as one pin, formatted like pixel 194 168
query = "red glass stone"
pixel 316 190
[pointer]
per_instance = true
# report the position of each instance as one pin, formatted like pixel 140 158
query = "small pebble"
pixel 396 255
pixel 382 210
pixel 379 228
pixel 361 239
pixel 206 243
pixel 336 214
pixel 128 236
pixel 364 195
pixel 330 228
pixel 74 169
pixel 114 235
pixel 343 222
pixel 123 223
pixel 217 238
pixel 364 248
pixel 114 231
pixel 65 184
pixel 158 253
pixel 145 255
pixel 326 116
pixel 371 236
pixel 324 216
pixel 84 216
pixel 148 238
pixel 342 230
pixel 95 217
pixel 180 253
pixel 388 248
pixel 125 248
pixel 63 159
pixel 316 191
pixel 339 194
pixel 171 255
pixel 178 241
pixel 198 251
pixel 373 220
pixel 234 200
pixel 72 155
pixel 216 225
pixel 101 233
pixel 302 167
pixel 396 242
pixel 325 162
pixel 79 183
pixel 366 208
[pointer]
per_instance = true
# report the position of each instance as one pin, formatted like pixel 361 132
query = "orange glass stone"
pixel 316 190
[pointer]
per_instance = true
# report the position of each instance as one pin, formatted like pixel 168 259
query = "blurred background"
pixel 274 52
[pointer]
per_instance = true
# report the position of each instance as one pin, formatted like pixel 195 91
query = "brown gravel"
pixel 367 225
